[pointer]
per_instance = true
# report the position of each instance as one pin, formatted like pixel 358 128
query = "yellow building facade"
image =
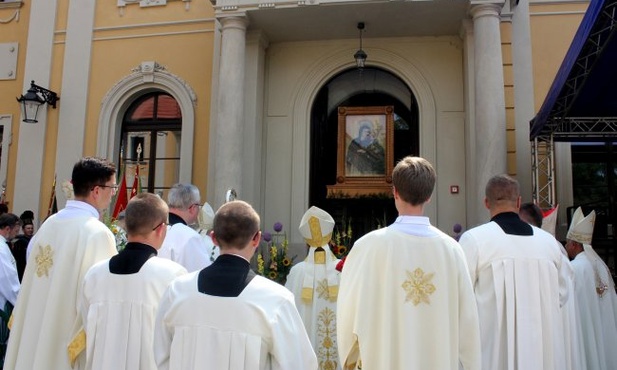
pixel 237 87
pixel 103 59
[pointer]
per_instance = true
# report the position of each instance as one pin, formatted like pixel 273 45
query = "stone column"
pixel 490 116
pixel 524 109
pixel 228 130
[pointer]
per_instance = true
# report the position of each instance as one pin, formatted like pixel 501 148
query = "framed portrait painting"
pixel 365 150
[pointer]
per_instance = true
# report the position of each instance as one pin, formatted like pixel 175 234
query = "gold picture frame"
pixel 364 153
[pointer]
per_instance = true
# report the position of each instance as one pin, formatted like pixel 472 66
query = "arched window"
pixel 150 141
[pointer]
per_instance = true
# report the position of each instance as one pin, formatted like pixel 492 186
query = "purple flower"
pixel 457 228
pixel 266 236
pixel 278 227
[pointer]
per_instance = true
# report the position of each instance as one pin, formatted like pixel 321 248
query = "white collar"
pixel 78 206
pixel 417 220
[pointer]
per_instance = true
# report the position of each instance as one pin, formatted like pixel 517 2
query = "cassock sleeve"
pixel 294 283
pixel 565 273
pixel 101 245
pixel 291 346
pixel 469 326
pixel 9 280
pixel 163 335
pixel 196 254
pixel 470 248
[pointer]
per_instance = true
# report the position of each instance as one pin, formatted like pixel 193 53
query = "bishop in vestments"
pixel 595 293
pixel 314 283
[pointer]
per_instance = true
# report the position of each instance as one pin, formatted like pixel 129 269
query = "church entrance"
pixel 368 87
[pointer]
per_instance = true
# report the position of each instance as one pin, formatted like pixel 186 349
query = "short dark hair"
pixel 235 224
pixel 27 217
pixel 144 212
pixel 89 172
pixel 9 219
pixel 502 189
pixel 4 208
pixel 531 211
pixel 414 180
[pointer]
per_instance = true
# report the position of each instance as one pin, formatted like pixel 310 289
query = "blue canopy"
pixel 581 104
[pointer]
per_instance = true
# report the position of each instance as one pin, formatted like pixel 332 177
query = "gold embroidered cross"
pixel 418 287
pixel 44 260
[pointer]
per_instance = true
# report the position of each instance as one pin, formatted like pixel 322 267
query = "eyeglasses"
pixel 112 187
pixel 159 225
pixel 196 205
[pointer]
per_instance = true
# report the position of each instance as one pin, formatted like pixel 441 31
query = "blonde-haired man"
pixel 405 300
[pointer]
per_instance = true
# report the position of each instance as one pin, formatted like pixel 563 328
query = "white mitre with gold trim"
pixel 581 227
pixel 205 218
pixel 316 228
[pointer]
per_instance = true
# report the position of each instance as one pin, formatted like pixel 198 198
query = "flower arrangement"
pixel 273 261
pixel 341 242
pixel 119 233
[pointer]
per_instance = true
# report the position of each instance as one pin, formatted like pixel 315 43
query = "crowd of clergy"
pixel 506 296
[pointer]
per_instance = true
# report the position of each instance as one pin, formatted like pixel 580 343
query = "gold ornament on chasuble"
pixel 326 333
pixel 325 292
pixel 44 260
pixel 418 287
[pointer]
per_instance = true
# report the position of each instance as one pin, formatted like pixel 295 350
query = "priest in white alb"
pixel 520 282
pixel 405 299
pixel 314 283
pixel 121 295
pixel 47 330
pixel 574 352
pixel 595 293
pixel 227 317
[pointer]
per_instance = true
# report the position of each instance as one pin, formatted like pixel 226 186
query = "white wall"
pixel 432 67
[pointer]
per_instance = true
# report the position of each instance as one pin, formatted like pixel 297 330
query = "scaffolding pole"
pixel 543 171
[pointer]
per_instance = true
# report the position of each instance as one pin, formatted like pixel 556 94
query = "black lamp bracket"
pixel 50 97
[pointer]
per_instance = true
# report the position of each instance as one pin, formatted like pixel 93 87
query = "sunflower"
pixel 272 275
pixel 260 264
pixel 286 262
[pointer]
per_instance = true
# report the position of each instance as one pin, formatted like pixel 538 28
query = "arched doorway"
pixel 150 140
pixel 358 88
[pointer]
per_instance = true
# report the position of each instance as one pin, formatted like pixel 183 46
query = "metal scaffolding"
pixel 543 177
pixel 564 115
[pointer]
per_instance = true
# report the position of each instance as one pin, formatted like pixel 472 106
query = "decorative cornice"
pixel 15 17
pixel 149 68
pixel 11 4
pixel 485 9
